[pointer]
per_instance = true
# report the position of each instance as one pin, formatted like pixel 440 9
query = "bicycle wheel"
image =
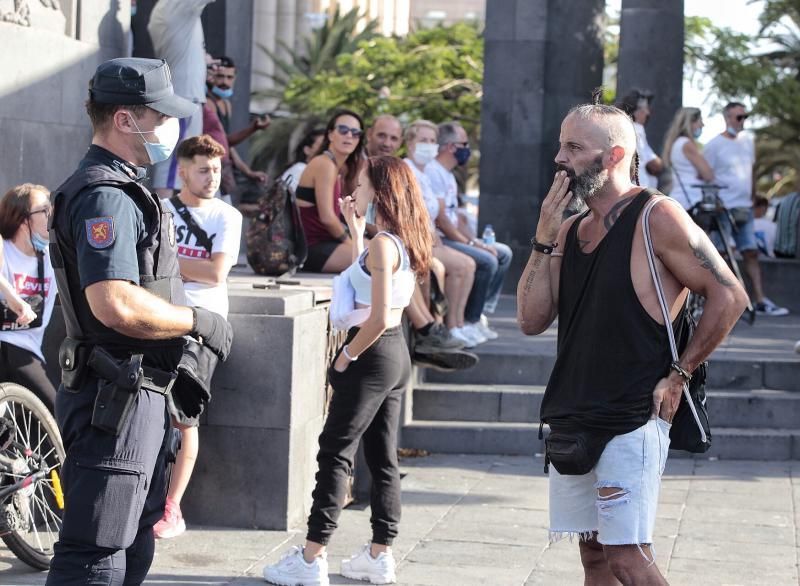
pixel 32 515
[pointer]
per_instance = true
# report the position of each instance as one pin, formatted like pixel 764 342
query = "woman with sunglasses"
pixel 369 375
pixel 682 153
pixel 24 213
pixel 322 183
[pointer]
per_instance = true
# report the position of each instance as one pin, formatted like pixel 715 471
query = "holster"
pixel 118 383
pixel 72 357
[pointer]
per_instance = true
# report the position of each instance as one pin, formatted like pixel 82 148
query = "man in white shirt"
pixel 177 35
pixel 636 103
pixel 207 234
pixel 731 155
pixel 491 260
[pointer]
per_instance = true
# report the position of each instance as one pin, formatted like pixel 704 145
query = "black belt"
pixel 158 381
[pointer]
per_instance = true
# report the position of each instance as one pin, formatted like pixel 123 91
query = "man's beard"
pixel 587 185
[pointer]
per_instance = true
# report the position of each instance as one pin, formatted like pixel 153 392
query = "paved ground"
pixel 470 520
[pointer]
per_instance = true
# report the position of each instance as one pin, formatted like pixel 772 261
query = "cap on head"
pixel 131 81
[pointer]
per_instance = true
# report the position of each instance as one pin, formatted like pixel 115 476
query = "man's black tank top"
pixel 611 353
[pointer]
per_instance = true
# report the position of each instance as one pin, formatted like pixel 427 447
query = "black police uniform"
pixel 106 226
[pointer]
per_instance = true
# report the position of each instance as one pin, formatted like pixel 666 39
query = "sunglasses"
pixel 343 129
pixel 741 117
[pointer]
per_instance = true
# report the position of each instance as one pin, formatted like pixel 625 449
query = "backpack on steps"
pixel 276 242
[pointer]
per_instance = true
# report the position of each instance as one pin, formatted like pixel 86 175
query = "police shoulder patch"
pixel 100 231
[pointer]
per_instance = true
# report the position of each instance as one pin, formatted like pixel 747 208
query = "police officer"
pixel 113 249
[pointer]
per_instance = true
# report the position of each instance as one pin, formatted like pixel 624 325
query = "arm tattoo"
pixel 537 262
pixel 613 214
pixel 705 254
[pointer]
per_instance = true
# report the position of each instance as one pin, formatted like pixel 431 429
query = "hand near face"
pixel 553 207
pixel 355 222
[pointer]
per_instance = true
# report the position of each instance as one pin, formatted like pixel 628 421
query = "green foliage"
pixel 338 35
pixel 432 73
pixel 764 71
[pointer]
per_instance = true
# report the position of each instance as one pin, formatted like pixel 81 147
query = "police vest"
pixel 159 271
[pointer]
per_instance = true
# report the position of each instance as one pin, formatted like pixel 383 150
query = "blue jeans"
pixel 490 271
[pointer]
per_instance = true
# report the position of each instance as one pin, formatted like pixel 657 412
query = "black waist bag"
pixel 574 452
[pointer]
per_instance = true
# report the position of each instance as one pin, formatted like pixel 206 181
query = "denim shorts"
pixel 633 463
pixel 745 235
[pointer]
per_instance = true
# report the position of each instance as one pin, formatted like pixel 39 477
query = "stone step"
pixel 520 404
pixel 499 366
pixel 470 437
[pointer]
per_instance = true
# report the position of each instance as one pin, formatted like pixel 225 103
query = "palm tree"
pixel 338 35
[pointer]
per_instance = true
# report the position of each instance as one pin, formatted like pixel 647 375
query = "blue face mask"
pixel 221 93
pixel 697 132
pixel 167 135
pixel 462 155
pixel 371 213
pixel 39 243
pixel 732 131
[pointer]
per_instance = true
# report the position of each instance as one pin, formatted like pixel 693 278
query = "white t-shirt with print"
pixel 22 271
pixel 444 186
pixel 732 161
pixel 431 201
pixel 223 224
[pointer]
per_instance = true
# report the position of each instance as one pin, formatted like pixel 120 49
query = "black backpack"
pixel 276 242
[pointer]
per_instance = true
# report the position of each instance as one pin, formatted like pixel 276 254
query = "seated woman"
pixel 681 152
pixel 24 213
pixel 328 176
pixel 306 149
pixel 422 144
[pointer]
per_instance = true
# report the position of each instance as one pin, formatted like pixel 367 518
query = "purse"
pixel 691 430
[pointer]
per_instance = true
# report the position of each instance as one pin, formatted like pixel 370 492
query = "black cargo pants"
pixel 114 491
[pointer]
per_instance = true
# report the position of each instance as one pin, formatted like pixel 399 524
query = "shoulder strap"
pixel 188 219
pixel 404 260
pixel 651 262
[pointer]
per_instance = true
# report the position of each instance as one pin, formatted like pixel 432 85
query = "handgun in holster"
pixel 117 387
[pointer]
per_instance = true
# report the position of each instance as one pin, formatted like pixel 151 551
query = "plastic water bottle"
pixel 488 235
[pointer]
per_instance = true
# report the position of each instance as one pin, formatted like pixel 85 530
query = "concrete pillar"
pixel 651 57
pixel 540 60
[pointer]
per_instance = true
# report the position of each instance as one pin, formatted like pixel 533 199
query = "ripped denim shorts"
pixel 632 463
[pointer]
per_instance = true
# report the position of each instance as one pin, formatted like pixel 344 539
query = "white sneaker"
pixel 293 570
pixel 483 326
pixel 474 332
pixel 460 335
pixel 362 566
pixel 767 307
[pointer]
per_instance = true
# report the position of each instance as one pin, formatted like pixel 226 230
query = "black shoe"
pixel 445 361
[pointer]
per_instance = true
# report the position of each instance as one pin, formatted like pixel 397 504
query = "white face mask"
pixel 424 153
pixel 167 134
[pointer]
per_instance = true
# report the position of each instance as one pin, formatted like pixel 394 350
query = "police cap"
pixel 133 81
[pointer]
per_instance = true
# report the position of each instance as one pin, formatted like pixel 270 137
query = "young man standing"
pixel 207 233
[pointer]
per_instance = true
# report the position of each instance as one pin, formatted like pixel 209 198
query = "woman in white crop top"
pixel 368 376
pixel 681 153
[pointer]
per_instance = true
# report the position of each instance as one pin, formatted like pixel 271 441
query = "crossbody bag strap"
pixel 188 219
pixel 662 301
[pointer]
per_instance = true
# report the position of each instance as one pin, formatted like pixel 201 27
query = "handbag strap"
pixel 651 262
pixel 198 232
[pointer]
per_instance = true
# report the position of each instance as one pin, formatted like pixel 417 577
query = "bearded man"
pixel 614 385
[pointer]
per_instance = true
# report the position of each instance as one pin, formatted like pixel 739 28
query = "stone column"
pixel 540 61
pixel 651 57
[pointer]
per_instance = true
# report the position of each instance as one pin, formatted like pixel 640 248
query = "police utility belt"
pixel 118 381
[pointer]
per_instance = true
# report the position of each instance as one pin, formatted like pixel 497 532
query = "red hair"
pixel 399 202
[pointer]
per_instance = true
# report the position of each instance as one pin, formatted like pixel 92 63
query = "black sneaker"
pixel 445 361
pixel 437 340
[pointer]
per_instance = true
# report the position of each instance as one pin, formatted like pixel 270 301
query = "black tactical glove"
pixel 213 330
